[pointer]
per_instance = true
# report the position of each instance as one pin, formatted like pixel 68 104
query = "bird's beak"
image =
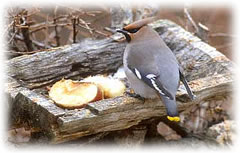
pixel 125 33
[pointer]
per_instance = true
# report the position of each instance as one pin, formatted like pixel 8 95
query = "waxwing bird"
pixel 151 67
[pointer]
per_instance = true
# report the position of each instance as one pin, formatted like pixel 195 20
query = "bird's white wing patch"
pixel 151 80
pixel 156 87
pixel 151 76
pixel 138 73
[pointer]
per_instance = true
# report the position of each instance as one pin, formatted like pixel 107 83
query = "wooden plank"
pixel 109 114
pixel 123 112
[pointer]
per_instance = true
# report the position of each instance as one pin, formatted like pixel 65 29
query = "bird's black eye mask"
pixel 132 30
pixel 126 33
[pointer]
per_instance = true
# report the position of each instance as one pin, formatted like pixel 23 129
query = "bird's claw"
pixel 134 95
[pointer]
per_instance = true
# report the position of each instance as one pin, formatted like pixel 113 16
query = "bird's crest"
pixel 135 26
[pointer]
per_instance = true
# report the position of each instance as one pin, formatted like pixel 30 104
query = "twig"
pixel 74 22
pixel 50 24
pixel 200 30
pixel 203 32
pixel 188 16
pixel 200 25
pixel 29 12
pixel 110 30
pixel 86 25
pixel 33 41
pixel 46 32
pixel 221 35
pixel 19 22
pixel 12 37
pixel 56 27
pixel 224 45
pixel 101 33
pixel 93 30
pixel 12 24
pixel 42 24
pixel 25 32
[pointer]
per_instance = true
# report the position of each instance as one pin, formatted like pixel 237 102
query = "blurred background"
pixel 33 29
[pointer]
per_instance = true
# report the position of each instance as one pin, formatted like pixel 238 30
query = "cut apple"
pixel 73 94
pixel 110 86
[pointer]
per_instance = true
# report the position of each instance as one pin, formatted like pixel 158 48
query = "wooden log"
pixel 92 57
pixel 83 59
pixel 209 71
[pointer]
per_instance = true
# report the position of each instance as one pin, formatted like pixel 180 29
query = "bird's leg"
pixel 131 93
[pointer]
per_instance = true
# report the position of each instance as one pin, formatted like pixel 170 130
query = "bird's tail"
pixel 171 108
pixel 189 91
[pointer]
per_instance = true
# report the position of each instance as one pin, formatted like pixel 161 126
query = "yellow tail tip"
pixel 175 118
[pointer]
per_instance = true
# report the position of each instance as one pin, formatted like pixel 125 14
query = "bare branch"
pixel 224 45
pixel 56 27
pixel 203 32
pixel 200 30
pixel 86 25
pixel 25 32
pixel 33 41
pixel 188 16
pixel 221 35
pixel 74 22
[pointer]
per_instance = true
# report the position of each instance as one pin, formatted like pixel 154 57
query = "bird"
pixel 151 67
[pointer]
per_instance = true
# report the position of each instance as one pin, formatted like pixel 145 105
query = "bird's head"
pixel 132 28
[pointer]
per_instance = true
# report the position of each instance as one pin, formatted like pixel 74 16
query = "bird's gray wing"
pixel 151 80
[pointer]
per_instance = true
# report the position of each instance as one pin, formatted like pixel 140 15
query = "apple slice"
pixel 111 87
pixel 73 94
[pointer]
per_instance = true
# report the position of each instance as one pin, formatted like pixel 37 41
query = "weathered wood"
pixel 112 114
pixel 208 70
pixel 83 59
pixel 124 112
pixel 103 56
